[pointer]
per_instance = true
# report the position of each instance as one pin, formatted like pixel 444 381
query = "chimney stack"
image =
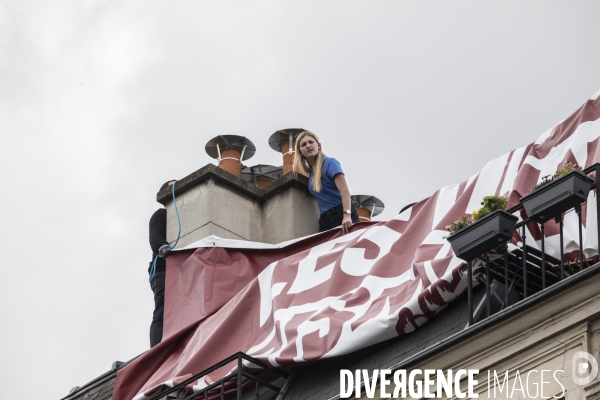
pixel 367 206
pixel 283 141
pixel 261 175
pixel 230 151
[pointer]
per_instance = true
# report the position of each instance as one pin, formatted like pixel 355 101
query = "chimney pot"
pixel 367 206
pixel 230 151
pixel 261 175
pixel 284 141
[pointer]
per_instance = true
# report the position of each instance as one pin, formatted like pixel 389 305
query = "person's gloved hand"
pixel 164 250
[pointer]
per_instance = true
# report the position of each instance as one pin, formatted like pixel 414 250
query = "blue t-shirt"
pixel 329 196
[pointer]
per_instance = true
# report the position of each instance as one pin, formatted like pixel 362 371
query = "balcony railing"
pixel 231 385
pixel 527 270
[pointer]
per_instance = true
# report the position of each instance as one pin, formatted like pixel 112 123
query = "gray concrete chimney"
pixel 212 201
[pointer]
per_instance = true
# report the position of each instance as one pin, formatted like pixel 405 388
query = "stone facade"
pixel 542 333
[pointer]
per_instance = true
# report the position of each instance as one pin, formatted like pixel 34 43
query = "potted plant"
pixel 566 189
pixel 489 227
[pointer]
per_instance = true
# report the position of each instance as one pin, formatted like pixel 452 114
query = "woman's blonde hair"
pixel 301 163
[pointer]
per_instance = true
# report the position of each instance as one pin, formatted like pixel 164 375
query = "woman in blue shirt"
pixel 326 182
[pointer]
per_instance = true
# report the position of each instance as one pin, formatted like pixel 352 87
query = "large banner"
pixel 328 294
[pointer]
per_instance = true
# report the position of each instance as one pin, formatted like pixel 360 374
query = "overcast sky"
pixel 103 101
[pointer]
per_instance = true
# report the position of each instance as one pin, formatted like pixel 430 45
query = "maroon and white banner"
pixel 328 294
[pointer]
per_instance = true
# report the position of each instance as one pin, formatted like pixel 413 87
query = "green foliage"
pixel 568 168
pixel 458 225
pixel 490 204
pixel 561 172
pixel 545 180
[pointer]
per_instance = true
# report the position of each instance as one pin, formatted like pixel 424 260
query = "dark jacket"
pixel 158 237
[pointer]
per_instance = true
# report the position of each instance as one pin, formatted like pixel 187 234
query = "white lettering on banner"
pixel 348 337
pixel 471 179
pixel 384 322
pixel 488 181
pixel 283 316
pixel 436 237
pixel 267 292
pixel 545 135
pixel 353 260
pixel 308 276
pixel 430 272
pixel 576 143
pixel 307 327
pixel 445 200
pixel 511 171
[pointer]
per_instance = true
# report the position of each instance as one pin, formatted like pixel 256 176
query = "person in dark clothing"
pixel 160 246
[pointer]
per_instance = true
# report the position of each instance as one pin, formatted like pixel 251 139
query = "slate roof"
pixel 100 388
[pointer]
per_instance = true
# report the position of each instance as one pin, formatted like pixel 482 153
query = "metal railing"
pixel 525 269
pixel 228 387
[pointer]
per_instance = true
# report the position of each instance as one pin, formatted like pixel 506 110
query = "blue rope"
pixel 176 212
pixel 153 269
pixel 169 248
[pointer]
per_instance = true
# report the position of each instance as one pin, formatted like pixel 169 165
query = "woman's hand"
pixel 342 187
pixel 346 223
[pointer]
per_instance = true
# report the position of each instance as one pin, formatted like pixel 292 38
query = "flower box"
pixel 483 235
pixel 558 196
